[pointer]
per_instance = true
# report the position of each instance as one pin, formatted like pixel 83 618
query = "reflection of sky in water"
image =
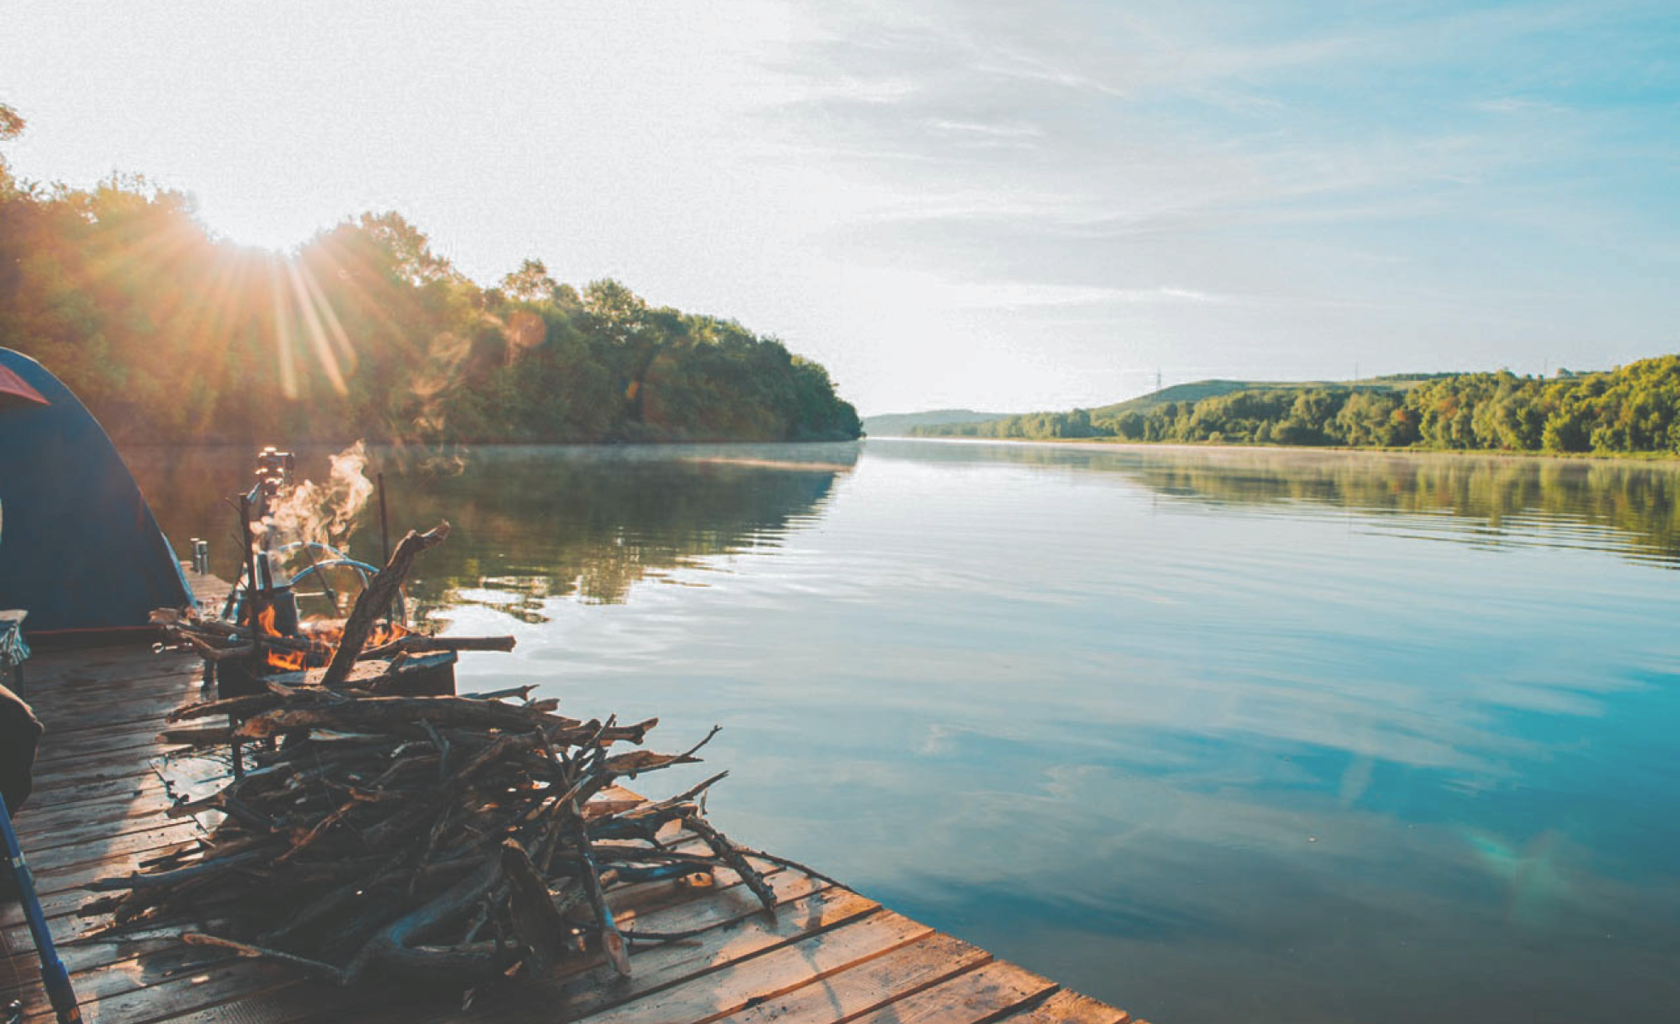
pixel 1211 737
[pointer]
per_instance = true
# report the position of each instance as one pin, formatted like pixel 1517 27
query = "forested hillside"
pixel 1634 408
pixel 893 424
pixel 169 334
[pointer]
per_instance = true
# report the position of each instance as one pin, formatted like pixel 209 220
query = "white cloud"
pixel 1003 131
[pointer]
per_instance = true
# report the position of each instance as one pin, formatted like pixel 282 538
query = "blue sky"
pixel 1004 206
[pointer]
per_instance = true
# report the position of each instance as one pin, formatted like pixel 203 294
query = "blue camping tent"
pixel 79 547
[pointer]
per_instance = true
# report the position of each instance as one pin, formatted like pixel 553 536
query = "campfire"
pixel 315 642
pixel 325 652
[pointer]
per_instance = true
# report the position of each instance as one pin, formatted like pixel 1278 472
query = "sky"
pixel 1004 206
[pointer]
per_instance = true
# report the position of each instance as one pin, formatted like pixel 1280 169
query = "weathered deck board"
pixel 867 986
pixel 830 955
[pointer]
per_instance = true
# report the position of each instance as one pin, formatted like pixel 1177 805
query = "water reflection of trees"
pixel 531 524
pixel 1550 498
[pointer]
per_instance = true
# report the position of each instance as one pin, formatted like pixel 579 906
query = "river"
pixel 1210 734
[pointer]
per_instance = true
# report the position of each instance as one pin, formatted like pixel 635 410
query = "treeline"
pixel 171 335
pixel 1634 408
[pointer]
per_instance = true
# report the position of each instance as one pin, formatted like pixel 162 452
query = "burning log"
pixel 373 601
pixel 430 837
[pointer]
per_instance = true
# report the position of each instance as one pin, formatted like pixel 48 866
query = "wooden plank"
pixel 139 764
pixel 1065 1007
pixel 101 840
pixel 76 707
pixel 90 955
pixel 99 819
pixel 211 986
pixel 77 772
pixel 287 1002
pixel 105 800
pixel 983 994
pixel 68 704
pixel 739 932
pixel 103 745
pixel 80 688
pixel 112 811
pixel 870 985
pixel 76 663
pixel 745 982
pixel 88 793
pixel 60 877
pixel 59 675
pixel 74 790
pixel 59 887
pixel 118 977
pixel 139 713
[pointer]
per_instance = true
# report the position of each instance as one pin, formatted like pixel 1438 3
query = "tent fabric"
pixel 79 547
pixel 13 386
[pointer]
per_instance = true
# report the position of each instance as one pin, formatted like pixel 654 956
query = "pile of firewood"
pixel 451 837
pixel 437 837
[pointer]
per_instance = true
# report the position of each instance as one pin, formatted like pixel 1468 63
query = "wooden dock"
pixel 831 955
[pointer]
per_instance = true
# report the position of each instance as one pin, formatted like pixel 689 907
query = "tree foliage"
pixel 1634 408
pixel 169 334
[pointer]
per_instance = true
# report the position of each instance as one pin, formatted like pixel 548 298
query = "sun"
pixel 256 224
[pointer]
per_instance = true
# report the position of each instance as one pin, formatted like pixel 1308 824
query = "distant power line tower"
pixel 1157 378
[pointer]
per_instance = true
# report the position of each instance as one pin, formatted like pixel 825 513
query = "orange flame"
pixel 287 661
pixel 323 638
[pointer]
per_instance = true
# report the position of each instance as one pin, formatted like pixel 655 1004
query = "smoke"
pixel 322 512
pixel 441 371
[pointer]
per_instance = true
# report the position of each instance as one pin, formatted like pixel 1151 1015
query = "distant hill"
pixel 1195 391
pixel 938 422
pixel 1104 421
pixel 898 424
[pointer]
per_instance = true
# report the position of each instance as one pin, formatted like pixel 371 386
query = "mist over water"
pixel 1210 734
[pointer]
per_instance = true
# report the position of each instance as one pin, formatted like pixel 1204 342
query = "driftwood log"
pixel 436 838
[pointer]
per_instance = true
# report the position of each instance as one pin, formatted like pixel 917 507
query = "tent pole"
pixel 53 975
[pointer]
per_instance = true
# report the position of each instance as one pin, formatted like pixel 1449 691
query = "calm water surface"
pixel 1213 735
